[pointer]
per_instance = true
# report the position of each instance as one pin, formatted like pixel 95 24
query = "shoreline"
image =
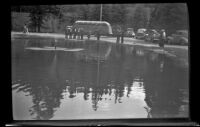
pixel 180 52
pixel 129 41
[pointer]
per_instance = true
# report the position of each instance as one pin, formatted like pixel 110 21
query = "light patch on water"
pixel 137 90
pixel 55 49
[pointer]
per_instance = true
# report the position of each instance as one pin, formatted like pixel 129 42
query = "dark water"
pixel 91 80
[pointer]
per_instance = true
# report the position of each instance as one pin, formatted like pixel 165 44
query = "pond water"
pixel 95 80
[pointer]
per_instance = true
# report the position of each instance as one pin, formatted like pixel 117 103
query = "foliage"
pixel 169 16
pixel 140 18
pixel 18 20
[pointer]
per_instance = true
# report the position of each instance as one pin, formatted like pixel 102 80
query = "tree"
pixel 40 12
pixel 53 13
pixel 122 15
pixel 140 18
pixel 84 12
pixel 37 13
pixel 169 16
pixel 95 12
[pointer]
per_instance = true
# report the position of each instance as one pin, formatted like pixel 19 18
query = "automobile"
pixel 141 33
pixel 152 35
pixel 130 32
pixel 179 37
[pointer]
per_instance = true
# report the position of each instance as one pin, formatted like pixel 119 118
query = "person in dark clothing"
pixel 25 29
pixel 81 33
pixel 89 33
pixel 122 36
pixel 162 38
pixel 70 33
pixel 98 35
pixel 75 33
pixel 118 35
pixel 54 43
pixel 67 32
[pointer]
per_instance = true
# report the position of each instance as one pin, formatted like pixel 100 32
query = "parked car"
pixel 152 35
pixel 180 37
pixel 130 32
pixel 141 33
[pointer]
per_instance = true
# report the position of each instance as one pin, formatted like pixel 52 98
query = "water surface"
pixel 95 80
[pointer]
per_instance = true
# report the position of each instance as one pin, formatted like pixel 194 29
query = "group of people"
pixel 120 33
pixel 77 33
pixel 73 33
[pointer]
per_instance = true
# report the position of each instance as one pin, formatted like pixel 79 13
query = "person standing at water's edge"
pixel 81 33
pixel 70 33
pixel 122 36
pixel 118 35
pixel 25 30
pixel 162 38
pixel 74 33
pixel 98 35
pixel 55 42
pixel 89 33
pixel 67 31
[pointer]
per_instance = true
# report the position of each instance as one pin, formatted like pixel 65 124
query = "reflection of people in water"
pixel 72 90
pixel 148 112
pixel 86 93
pixel 119 93
pixel 161 56
pixel 119 51
pixel 163 82
pixel 26 43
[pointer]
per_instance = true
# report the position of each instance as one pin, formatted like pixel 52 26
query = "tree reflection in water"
pixel 163 82
pixel 101 69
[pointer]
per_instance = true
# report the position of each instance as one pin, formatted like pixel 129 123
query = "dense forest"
pixel 169 16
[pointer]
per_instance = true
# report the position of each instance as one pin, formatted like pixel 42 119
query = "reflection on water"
pixel 102 81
